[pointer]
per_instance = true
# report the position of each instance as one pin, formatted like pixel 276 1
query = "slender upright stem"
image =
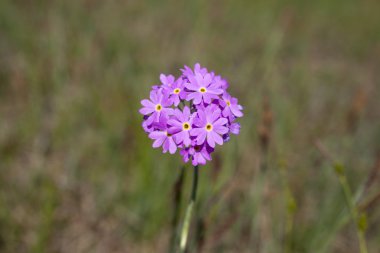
pixel 195 184
pixel 339 169
pixel 189 210
pixel 177 198
pixel 357 217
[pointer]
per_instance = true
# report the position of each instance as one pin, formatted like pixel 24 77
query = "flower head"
pixel 192 113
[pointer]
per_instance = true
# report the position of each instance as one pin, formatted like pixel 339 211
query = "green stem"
pixel 177 198
pixel 351 205
pixel 189 210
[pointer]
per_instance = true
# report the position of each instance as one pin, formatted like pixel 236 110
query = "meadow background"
pixel 78 174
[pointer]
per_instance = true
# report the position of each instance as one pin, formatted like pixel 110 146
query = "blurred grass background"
pixel 78 174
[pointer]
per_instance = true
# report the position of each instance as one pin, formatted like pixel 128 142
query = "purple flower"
pixel 197 69
pixel 192 113
pixel 177 91
pixel 235 128
pixel 158 104
pixel 162 138
pixel 167 81
pixel 231 106
pixel 222 82
pixel 156 87
pixel 181 124
pixel 147 128
pixel 209 125
pixel 202 88
pixel 199 154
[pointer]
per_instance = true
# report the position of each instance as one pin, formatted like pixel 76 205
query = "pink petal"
pixel 210 139
pixel 174 130
pixel 201 138
pixel 226 111
pixel 186 140
pixel 220 122
pixel 199 79
pixel 146 110
pixel 153 96
pixel 202 117
pixel 222 103
pixel 214 116
pixel 207 98
pixel 157 134
pixel 196 131
pixel 178 137
pixel 192 96
pixel 220 129
pixel 168 111
pixel 159 96
pixel 163 79
pixel 198 159
pixel 174 122
pixel 183 94
pixel 177 113
pixel 226 96
pixel 157 143
pixel 150 119
pixel 186 112
pixel 236 111
pixel 207 79
pixel 165 146
pixel 175 100
pixel 170 79
pixel 217 138
pixel 192 85
pixel 172 146
pixel 215 91
pixel 198 99
pixel 147 103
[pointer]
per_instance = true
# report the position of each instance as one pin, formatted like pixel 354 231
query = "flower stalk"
pixel 177 197
pixel 189 210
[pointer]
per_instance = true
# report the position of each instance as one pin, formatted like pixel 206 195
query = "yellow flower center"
pixel 228 102
pixel 185 126
pixel 209 127
pixel 202 89
pixel 177 90
pixel 158 107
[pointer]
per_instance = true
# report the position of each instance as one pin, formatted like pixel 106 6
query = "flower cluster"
pixel 192 113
